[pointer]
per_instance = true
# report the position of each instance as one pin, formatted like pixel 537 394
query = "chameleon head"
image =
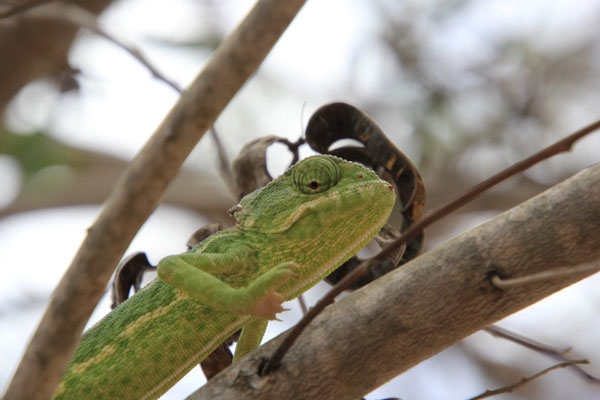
pixel 319 195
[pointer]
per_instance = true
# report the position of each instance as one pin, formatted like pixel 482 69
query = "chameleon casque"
pixel 288 236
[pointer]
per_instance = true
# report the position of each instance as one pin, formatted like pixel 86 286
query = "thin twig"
pixel 293 148
pixel 537 347
pixel 79 16
pixel 224 163
pixel 558 147
pixel 501 283
pixel 525 381
pixel 302 304
pixel 138 191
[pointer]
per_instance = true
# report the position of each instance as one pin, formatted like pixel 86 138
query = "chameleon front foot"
pixel 262 296
pixel 258 299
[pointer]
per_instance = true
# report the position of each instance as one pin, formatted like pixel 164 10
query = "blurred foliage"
pixel 463 77
pixel 37 151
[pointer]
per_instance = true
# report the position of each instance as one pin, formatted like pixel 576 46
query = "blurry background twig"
pixel 525 381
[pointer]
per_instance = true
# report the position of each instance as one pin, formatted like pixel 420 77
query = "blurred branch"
pixel 22 6
pixel 501 283
pixel 68 185
pixel 536 346
pixel 137 194
pixel 443 183
pixel 224 163
pixel 523 91
pixel 80 17
pixel 77 191
pixel 38 48
pixel 525 381
pixel 555 228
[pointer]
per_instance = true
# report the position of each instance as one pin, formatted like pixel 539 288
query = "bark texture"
pixel 441 297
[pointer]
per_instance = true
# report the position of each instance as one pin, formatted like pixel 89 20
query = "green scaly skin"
pixel 289 235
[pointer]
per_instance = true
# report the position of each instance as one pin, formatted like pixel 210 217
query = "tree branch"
pixel 81 17
pixel 525 381
pixel 541 348
pixel 501 283
pixel 137 193
pixel 430 303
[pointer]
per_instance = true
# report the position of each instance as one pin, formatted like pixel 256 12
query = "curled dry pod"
pixel 338 121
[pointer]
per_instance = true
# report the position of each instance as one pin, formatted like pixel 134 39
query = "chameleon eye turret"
pixel 316 174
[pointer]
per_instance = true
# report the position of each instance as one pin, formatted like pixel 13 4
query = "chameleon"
pixel 288 236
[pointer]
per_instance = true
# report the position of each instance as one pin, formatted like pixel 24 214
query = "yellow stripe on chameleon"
pixel 159 312
pixel 225 333
pixel 106 351
pixel 110 349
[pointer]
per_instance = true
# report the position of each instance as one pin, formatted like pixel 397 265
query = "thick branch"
pixel 429 303
pixel 137 194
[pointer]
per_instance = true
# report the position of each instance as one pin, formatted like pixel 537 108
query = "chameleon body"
pixel 288 236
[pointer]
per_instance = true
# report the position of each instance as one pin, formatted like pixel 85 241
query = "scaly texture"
pixel 288 236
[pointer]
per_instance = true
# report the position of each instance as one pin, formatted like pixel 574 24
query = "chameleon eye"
pixel 316 175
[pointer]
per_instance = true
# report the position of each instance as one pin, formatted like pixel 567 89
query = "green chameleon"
pixel 288 236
